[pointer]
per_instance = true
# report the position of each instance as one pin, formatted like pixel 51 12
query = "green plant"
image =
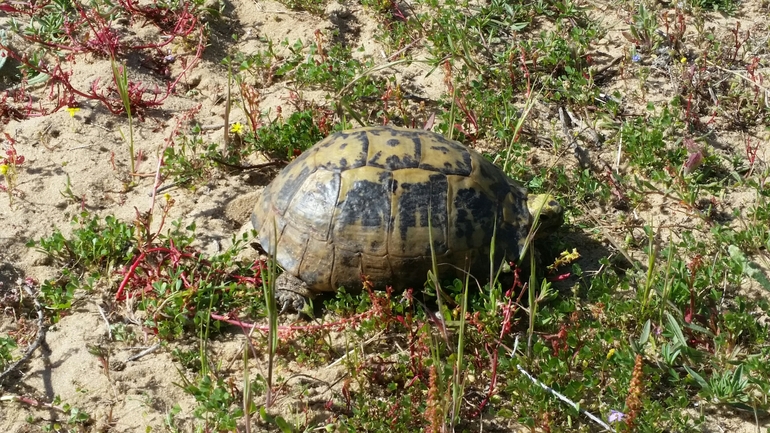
pixel 646 145
pixel 727 6
pixel 286 138
pixel 7 345
pixel 723 387
pixel 191 159
pixel 315 7
pixel 636 341
pixel 268 287
pixel 9 170
pixel 120 75
pixel 94 246
pixel 643 30
pixel 217 406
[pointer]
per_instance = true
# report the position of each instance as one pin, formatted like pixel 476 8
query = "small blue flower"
pixel 636 58
pixel 616 416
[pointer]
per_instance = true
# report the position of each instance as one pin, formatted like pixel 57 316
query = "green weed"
pixel 7 346
pixel 636 344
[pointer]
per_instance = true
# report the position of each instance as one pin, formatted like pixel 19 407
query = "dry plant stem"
pixel 42 329
pixel 351 351
pixel 144 352
pixel 555 393
pixel 31 402
pixel 405 49
pixel 743 77
pixel 106 321
pixel 373 70
pixel 249 345
pixel 162 188
pixel 212 127
pixel 157 182
pixel 248 167
pixel 580 153
pixel 508 313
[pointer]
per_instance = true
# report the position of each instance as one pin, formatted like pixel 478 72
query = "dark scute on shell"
pixel 366 203
pixel 472 208
pixel 314 207
pixel 459 167
pixel 412 200
pixel 348 259
pixel 393 162
pixel 341 140
pixel 287 189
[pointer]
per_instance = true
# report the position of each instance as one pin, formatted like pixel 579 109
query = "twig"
pixel 246 167
pixel 604 68
pixel 373 70
pixel 402 50
pixel 555 393
pixel 729 71
pixel 104 316
pixel 27 286
pixel 211 127
pixel 163 188
pixel 85 146
pixel 342 358
pixel 32 402
pixel 144 352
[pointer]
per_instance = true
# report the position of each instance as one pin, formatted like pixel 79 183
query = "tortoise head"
pixel 548 213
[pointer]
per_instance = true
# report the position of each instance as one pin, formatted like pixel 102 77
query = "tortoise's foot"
pixel 291 293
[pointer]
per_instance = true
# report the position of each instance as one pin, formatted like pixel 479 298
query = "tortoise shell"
pixel 369 201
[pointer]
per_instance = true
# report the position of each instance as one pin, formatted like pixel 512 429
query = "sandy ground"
pixel 89 149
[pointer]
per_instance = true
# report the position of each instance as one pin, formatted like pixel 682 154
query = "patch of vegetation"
pixel 94 245
pixel 288 138
pixel 217 406
pixel 191 159
pixel 315 7
pixel 7 346
pixel 666 309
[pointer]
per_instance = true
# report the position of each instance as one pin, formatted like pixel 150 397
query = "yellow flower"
pixel 565 258
pixel 167 196
pixel 683 60
pixel 236 128
pixel 73 110
pixel 3 169
pixel 610 353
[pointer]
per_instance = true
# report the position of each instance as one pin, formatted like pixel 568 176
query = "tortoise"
pixel 368 201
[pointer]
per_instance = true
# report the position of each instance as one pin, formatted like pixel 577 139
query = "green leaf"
pixel 673 326
pixel 698 378
pixel 738 382
pixel 283 425
pixel 750 269
pixel 645 336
